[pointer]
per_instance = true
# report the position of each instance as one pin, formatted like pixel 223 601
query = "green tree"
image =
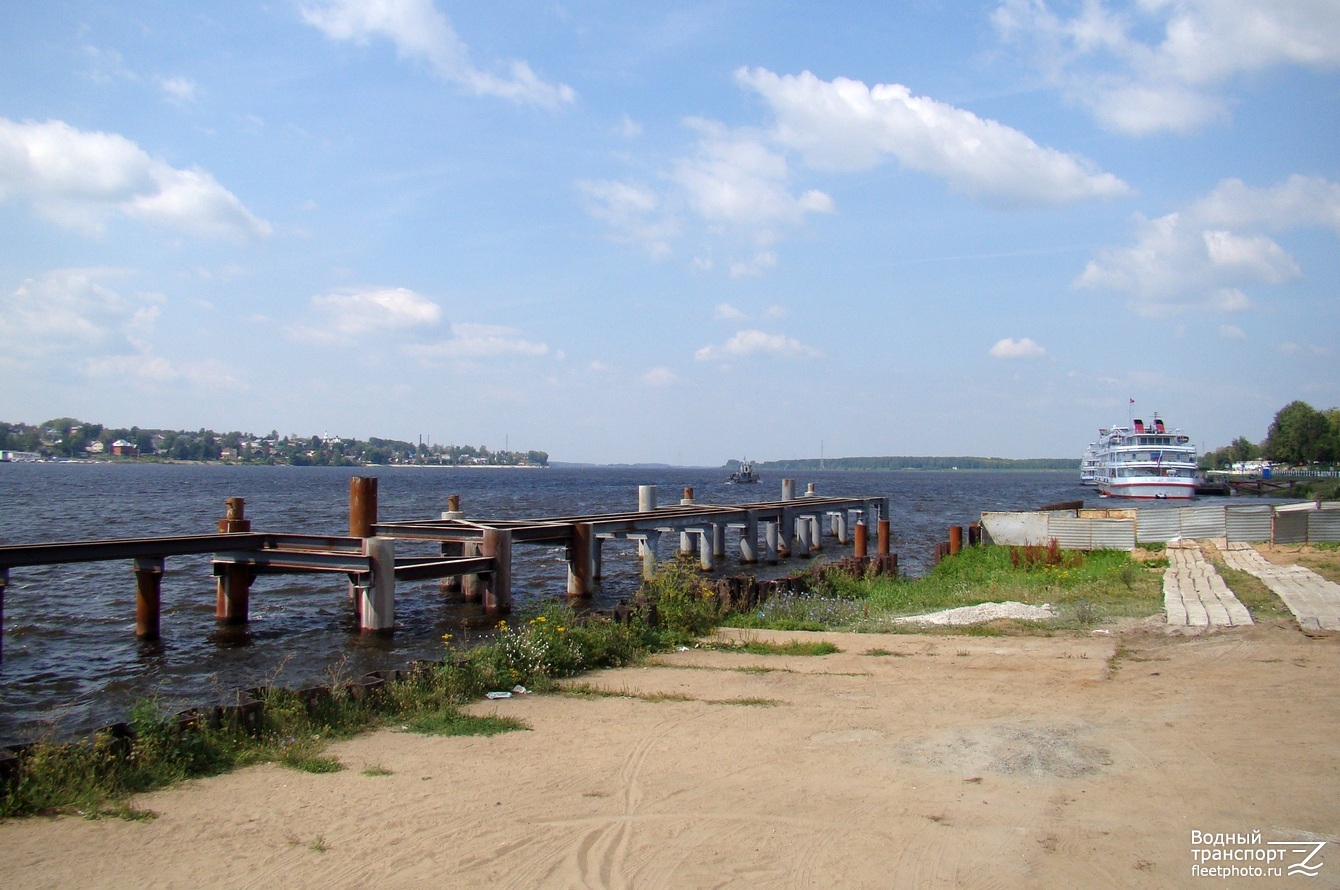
pixel 1298 435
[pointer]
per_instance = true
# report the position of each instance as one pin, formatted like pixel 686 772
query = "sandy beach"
pixel 949 761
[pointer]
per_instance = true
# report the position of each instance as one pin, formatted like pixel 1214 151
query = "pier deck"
pixel 475 555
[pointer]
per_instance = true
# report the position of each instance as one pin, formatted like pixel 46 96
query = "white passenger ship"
pixel 1142 461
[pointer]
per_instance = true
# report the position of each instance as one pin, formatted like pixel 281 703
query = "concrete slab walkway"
pixel 1314 601
pixel 1194 595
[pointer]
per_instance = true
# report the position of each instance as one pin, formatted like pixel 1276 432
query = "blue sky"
pixel 676 232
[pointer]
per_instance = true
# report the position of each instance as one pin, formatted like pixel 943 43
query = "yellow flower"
pixel 560 630
pixel 540 618
pixel 446 638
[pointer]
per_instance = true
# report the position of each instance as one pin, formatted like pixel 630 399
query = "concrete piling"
pixel 148 597
pixel 651 539
pixel 579 560
pixel 706 551
pixel 452 549
pixel 646 503
pixel 770 534
pixel 497 543
pixel 802 545
pixel 688 540
pixel 472 586
pixel 376 612
pixel 749 539
pixel 788 489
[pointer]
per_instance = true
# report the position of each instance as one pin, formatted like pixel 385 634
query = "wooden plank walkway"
pixel 1313 600
pixel 1194 594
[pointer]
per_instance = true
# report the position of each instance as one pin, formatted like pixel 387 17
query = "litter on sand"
pixel 497 695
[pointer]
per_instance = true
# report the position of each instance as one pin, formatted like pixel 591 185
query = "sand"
pixel 952 761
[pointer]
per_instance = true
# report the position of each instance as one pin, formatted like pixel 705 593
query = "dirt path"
pixel 949 761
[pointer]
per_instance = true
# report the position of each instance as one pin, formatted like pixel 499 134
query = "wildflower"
pixel 540 618
pixel 561 629
pixel 446 638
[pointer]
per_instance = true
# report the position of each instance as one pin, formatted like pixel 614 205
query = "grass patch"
pixel 1261 601
pixel 586 690
pixel 376 769
pixel 880 653
pixel 762 647
pixel 452 723
pixel 312 763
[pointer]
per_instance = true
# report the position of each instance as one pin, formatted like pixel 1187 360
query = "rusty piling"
pixel 882 537
pixel 861 546
pixel 362 506
pixel 4 583
pixel 955 540
pixel 232 600
pixel 974 534
pixel 148 597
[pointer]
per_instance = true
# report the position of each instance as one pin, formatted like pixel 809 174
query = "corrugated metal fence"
pixel 1101 530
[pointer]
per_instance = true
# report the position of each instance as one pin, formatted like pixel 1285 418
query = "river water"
pixel 72 663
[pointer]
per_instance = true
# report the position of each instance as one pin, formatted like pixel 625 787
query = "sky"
pixel 675 232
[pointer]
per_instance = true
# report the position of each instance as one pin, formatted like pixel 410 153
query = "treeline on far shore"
pixel 916 463
pixel 67 438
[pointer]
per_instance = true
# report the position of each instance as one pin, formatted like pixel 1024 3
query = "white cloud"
pixel 344 316
pixel 629 128
pixel 1296 202
pixel 759 264
pixel 421 33
pixel 64 310
pixel 1192 258
pixel 843 125
pixel 1303 349
pixel 1176 81
pixel 1232 332
pixel 79 179
pixel 1017 349
pixel 733 178
pixel 660 376
pixel 73 317
pixel 727 312
pixel 475 341
pixel 635 212
pixel 746 344
pixel 177 90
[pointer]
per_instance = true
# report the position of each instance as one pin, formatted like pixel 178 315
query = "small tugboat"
pixel 744 475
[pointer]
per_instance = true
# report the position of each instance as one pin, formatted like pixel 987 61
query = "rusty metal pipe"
pixel 955 540
pixel 148 597
pixel 882 537
pixel 233 589
pixel 861 548
pixel 362 506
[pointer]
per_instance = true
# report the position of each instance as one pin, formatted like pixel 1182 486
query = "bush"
pixel 685 606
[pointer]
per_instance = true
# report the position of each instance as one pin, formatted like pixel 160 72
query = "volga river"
pixel 71 660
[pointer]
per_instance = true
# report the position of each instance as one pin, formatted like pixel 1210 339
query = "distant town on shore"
pixel 70 439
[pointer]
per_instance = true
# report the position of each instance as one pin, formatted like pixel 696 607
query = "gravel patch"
pixel 983 613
